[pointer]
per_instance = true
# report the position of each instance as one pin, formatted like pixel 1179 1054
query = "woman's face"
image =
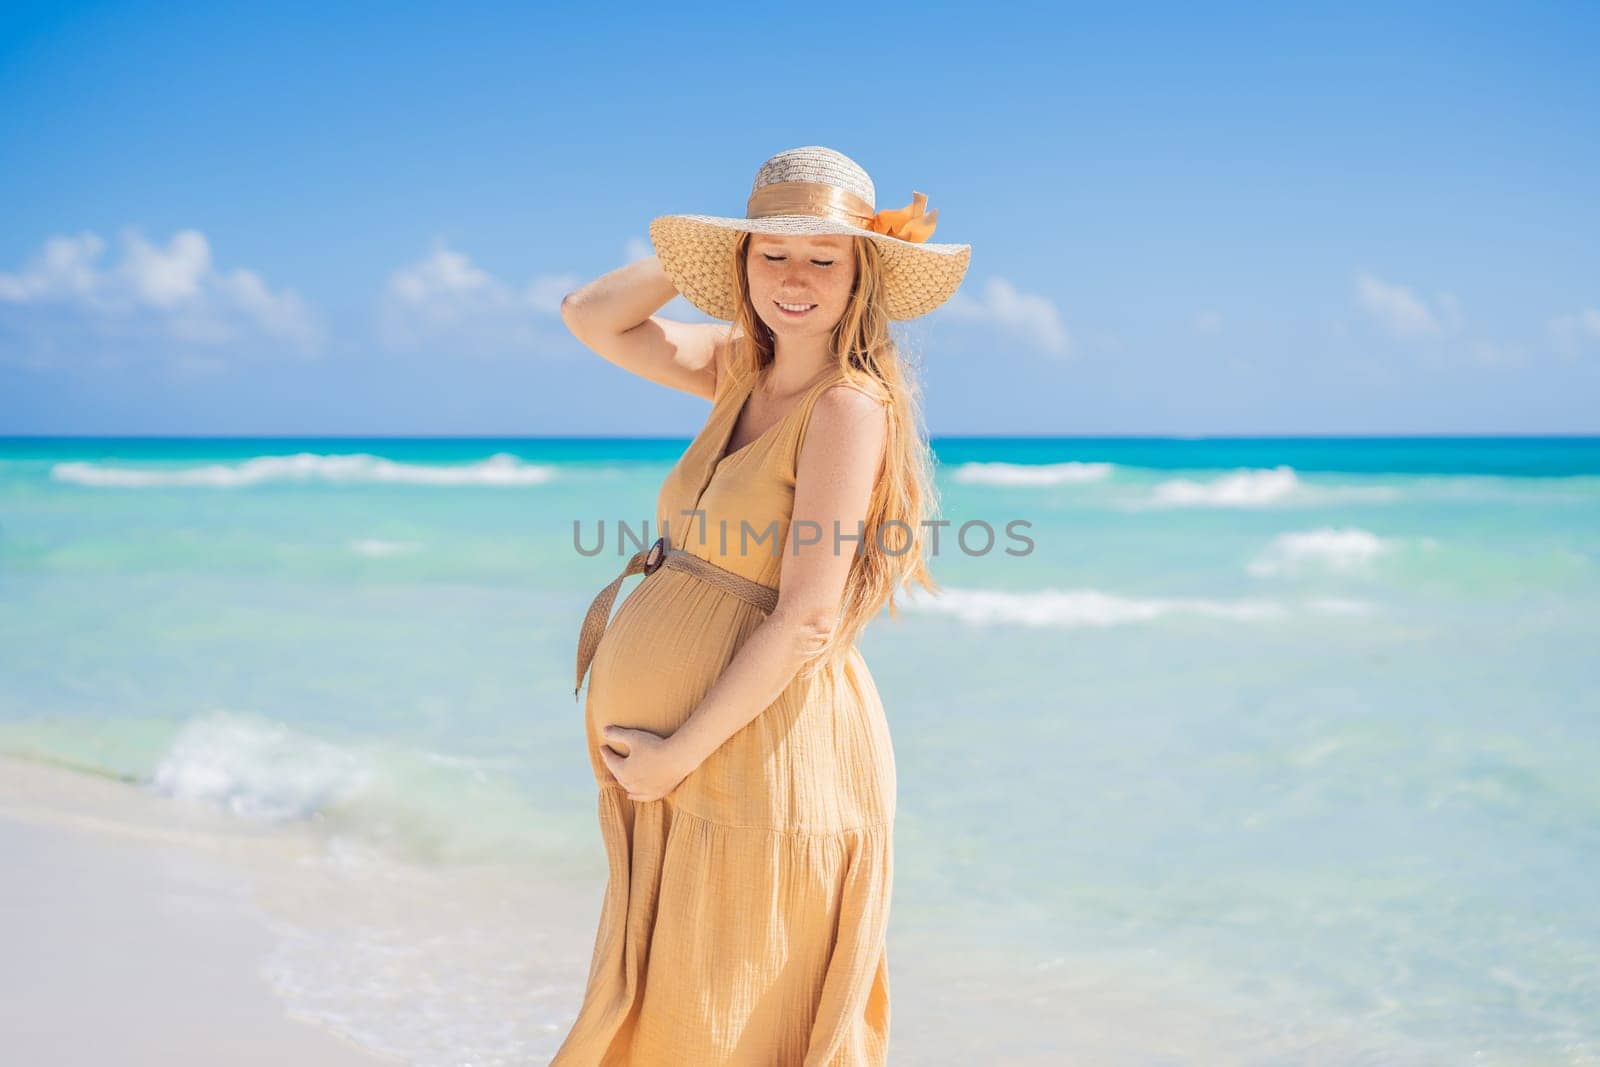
pixel 816 272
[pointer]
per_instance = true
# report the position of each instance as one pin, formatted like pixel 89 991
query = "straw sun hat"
pixel 812 190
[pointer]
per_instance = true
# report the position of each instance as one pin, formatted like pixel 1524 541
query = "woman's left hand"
pixel 648 766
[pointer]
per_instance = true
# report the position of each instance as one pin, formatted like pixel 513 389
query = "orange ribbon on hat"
pixel 907 223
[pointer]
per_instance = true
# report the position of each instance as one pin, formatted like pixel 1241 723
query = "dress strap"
pixel 809 401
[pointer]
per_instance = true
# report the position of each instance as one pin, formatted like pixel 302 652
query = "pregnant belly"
pixel 669 641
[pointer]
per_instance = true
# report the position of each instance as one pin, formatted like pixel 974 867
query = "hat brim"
pixel 696 251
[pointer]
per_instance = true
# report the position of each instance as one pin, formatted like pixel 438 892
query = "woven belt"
pixel 658 555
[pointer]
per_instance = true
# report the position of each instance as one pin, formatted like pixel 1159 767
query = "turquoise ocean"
pixel 1295 739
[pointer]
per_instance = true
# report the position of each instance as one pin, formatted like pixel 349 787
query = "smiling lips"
pixel 795 310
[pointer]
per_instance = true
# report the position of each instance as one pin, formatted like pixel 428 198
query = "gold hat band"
pixel 809 198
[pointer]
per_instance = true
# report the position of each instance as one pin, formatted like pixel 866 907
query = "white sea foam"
pixel 1343 551
pixel 500 469
pixel 1032 474
pixel 258 769
pixel 418 804
pixel 1082 607
pixel 372 546
pixel 1258 487
pixel 1246 488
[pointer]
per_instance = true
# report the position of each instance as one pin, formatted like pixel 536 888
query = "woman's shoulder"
pixel 851 427
pixel 847 416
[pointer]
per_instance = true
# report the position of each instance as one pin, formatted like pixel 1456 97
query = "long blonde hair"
pixel 892 551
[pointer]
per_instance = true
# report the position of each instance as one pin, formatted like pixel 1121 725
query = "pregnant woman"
pixel 747 781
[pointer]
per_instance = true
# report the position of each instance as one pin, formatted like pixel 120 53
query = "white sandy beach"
pixel 127 940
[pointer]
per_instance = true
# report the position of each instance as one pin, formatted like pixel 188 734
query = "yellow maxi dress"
pixel 745 916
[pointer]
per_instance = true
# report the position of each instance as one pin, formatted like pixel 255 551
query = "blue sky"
pixel 280 219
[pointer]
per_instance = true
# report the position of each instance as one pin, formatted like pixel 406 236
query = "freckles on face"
pixel 800 270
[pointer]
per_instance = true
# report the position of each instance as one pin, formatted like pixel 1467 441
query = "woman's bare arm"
pixel 839 461
pixel 614 316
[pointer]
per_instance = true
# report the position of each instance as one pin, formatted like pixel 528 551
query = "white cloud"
pixel 637 248
pixel 1571 333
pixel 1405 314
pixel 1497 354
pixel 173 292
pixel 64 269
pixel 1208 322
pixel 443 276
pixel 1023 314
pixel 167 277
pixel 445 297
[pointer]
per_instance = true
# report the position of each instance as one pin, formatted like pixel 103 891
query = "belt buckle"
pixel 655 557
